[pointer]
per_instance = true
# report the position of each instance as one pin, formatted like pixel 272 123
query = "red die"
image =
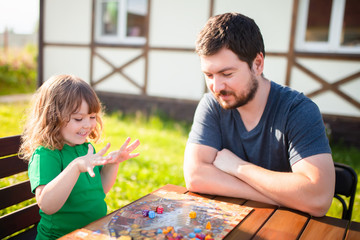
pixel 159 209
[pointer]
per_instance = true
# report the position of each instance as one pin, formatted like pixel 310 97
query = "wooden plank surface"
pixel 354 231
pixel 325 228
pixel 283 224
pixel 264 222
pixel 253 222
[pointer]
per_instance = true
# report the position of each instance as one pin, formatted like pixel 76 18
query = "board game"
pixel 213 217
pixel 181 217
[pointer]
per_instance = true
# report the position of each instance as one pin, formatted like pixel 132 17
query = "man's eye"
pixel 93 117
pixel 78 119
pixel 227 74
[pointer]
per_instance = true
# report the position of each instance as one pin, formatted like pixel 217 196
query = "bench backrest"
pixel 11 164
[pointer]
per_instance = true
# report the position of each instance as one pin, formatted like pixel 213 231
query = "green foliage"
pixel 161 154
pixel 349 156
pixel 18 70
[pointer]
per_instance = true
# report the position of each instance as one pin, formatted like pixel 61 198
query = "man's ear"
pixel 258 64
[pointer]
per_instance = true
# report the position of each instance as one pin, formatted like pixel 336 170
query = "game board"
pixel 222 217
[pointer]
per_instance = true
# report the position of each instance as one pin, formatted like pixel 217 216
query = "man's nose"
pixel 218 84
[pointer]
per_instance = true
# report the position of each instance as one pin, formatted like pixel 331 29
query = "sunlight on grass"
pixel 161 154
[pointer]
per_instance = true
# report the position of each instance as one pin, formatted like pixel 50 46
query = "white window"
pixel 121 21
pixel 331 26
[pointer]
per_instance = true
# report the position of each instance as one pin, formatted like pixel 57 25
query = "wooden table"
pixel 264 222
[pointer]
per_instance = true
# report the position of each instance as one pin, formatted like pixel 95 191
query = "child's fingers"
pixel 90 171
pixel 90 149
pixel 133 146
pixel 125 144
pixel 132 155
pixel 101 160
pixel 104 150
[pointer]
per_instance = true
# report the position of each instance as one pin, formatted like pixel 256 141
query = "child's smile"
pixel 80 126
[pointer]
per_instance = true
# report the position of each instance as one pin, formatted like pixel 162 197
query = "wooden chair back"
pixel 23 218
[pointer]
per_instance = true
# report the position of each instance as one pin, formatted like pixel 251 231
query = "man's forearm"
pixel 307 188
pixel 210 180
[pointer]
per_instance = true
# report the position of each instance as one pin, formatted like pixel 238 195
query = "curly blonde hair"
pixel 52 105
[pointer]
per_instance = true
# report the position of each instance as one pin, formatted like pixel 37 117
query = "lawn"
pixel 161 153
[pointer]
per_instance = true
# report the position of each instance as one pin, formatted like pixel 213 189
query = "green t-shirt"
pixel 86 201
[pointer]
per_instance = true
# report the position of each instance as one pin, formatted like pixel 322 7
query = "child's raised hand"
pixel 90 160
pixel 124 153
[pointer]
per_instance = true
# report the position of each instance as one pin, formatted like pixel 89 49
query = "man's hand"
pixel 228 162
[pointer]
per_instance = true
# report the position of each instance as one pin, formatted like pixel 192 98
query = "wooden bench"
pixel 26 217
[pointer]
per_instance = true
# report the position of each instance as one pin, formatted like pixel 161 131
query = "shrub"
pixel 18 70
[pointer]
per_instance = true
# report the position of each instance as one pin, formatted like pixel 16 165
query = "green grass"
pixel 161 154
pixel 161 151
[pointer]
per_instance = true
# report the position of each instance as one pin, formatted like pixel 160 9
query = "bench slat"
pixel 10 223
pixel 9 145
pixel 12 165
pixel 15 194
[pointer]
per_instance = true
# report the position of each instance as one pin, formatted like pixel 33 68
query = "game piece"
pixel 159 231
pixel 151 214
pixel 81 234
pixel 200 236
pixel 208 226
pixel 159 209
pixel 145 213
pixel 197 230
pixel 192 235
pixel 192 214
pixel 125 238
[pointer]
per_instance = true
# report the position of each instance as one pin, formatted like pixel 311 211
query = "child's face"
pixel 80 126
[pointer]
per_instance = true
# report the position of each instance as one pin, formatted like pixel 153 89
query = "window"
pixel 121 21
pixel 329 26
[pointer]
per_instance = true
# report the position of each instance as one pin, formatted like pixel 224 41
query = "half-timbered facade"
pixel 139 54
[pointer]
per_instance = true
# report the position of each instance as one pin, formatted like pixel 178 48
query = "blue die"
pixel 151 214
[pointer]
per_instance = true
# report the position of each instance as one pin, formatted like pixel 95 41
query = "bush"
pixel 18 71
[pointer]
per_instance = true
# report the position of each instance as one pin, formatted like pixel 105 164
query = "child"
pixel 68 178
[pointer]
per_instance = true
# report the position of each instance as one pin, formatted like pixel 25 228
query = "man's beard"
pixel 239 100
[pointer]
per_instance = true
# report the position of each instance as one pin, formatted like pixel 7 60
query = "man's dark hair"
pixel 234 31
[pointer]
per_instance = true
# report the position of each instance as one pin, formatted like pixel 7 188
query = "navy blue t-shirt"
pixel 290 129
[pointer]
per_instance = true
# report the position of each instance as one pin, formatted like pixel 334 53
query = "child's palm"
pixel 90 160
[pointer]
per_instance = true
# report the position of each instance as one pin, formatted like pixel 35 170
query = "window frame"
pixel 333 45
pixel 120 38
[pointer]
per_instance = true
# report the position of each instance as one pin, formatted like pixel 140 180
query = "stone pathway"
pixel 15 98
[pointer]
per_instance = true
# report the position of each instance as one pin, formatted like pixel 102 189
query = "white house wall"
pixel 331 71
pixel 331 103
pixel 66 60
pixel 175 75
pixel 172 72
pixel 67 21
pixel 118 83
pixel 175 23
pixel 272 17
pixel 275 69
